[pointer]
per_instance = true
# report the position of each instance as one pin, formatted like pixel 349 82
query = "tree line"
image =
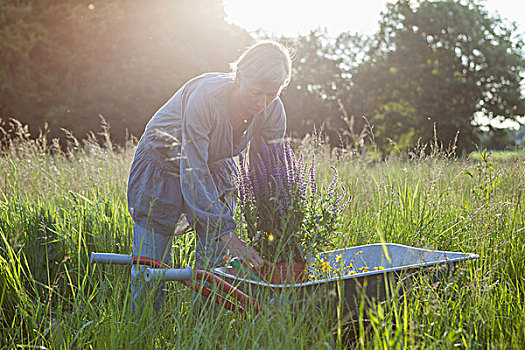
pixel 432 67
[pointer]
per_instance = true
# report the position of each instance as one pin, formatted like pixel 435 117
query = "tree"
pixel 438 63
pixel 519 135
pixel 309 99
pixel 65 62
pixel 320 81
pixel 497 139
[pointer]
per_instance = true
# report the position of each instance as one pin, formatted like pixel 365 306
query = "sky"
pixel 282 17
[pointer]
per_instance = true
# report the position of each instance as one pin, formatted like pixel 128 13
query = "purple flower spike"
pixel 342 206
pixel 313 184
pixel 254 177
pixel 279 195
pixel 290 167
pixel 303 177
pixel 331 188
pixel 281 209
pixel 341 197
pixel 299 167
pixel 242 167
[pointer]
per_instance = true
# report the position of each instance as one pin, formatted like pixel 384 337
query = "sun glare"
pixel 292 17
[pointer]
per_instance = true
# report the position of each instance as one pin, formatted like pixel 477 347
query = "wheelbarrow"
pixel 374 272
pixel 157 271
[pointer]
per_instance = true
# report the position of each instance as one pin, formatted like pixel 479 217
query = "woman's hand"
pixel 242 250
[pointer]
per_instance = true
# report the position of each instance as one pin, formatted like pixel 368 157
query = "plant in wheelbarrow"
pixel 287 218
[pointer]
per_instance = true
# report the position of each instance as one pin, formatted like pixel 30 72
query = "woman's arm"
pixel 242 250
pixel 198 188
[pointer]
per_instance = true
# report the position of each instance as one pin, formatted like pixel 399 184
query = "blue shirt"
pixel 184 162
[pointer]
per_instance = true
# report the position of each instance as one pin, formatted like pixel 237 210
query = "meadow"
pixel 58 205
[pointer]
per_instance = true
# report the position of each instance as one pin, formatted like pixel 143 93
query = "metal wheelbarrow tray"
pixel 395 262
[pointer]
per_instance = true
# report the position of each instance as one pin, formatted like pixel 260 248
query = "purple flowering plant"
pixel 286 216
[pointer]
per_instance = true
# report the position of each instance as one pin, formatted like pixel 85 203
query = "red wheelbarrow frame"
pixel 186 276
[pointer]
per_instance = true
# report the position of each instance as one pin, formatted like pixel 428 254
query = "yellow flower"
pixel 338 258
pixel 359 252
pixel 379 268
pixel 351 273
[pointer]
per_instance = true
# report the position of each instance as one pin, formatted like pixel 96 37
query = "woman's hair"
pixel 267 61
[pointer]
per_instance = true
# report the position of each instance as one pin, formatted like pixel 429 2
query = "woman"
pixel 184 162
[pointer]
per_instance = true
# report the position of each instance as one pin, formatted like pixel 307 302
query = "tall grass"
pixel 57 206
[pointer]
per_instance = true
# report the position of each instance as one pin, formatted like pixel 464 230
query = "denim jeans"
pixel 208 254
pixel 156 246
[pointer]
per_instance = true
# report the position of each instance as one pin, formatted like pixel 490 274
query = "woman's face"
pixel 255 97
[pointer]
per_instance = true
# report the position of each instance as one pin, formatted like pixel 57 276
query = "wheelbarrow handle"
pixel 185 274
pixel 110 258
pixel 167 274
pixel 125 259
pixel 162 271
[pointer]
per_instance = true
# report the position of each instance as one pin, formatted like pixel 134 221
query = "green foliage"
pixel 40 245
pixel 438 63
pixel 67 62
pixel 322 217
pixel 321 81
pixel 433 66
pixel 497 139
pixel 53 207
pixel 425 202
pixel 486 177
pixel 432 63
pixel 310 99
